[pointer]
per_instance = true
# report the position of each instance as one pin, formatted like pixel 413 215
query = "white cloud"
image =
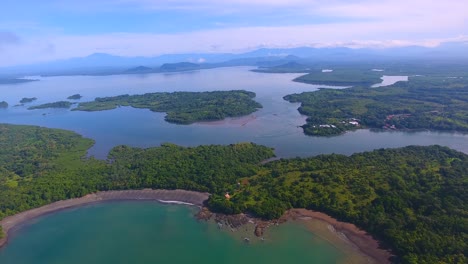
pixel 364 23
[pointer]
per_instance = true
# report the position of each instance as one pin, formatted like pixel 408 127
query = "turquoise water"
pixel 149 232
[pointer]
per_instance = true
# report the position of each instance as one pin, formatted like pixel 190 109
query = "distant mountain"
pixel 101 63
pixel 180 66
pixel 139 69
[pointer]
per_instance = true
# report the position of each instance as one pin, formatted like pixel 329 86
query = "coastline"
pixel 164 196
pixel 356 244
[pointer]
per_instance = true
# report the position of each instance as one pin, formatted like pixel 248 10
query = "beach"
pixel 356 244
pixel 172 196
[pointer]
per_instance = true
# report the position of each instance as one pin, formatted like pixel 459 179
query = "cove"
pixel 150 232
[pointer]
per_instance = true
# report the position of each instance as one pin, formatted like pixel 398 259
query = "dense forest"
pixel 413 199
pixel 27 100
pixel 435 103
pixel 183 107
pixel 74 97
pixel 59 104
pixel 341 77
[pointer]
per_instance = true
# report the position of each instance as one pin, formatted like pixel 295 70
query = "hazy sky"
pixel 41 30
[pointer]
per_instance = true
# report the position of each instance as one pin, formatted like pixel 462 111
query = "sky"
pixel 34 31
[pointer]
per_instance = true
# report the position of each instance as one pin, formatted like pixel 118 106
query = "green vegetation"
pixel 434 103
pixel 183 107
pixel 27 100
pixel 179 66
pixel 74 97
pixel 290 67
pixel 413 199
pixel 3 104
pixel 15 81
pixel 341 77
pixel 59 104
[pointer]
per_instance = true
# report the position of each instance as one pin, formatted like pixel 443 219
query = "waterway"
pixel 276 125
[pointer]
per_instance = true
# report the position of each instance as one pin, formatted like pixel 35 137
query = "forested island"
pixel 26 100
pixel 413 199
pixel 59 104
pixel 15 80
pixel 3 104
pixel 434 103
pixel 74 97
pixel 183 107
pixel 341 77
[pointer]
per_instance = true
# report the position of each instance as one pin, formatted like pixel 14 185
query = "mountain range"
pixel 102 63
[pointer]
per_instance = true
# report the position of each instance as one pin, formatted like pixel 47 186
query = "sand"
pixel 175 196
pixel 356 244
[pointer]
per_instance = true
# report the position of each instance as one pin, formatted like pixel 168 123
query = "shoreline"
pixel 345 236
pixel 352 241
pixel 163 196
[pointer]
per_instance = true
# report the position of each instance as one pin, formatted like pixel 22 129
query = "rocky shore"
pixel 355 243
pixel 358 246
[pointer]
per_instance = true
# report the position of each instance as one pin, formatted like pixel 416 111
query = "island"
pixel 341 77
pixel 432 103
pixel 15 81
pixel 28 100
pixel 412 199
pixel 289 67
pixel 59 104
pixel 140 69
pixel 74 97
pixel 183 107
pixel 3 104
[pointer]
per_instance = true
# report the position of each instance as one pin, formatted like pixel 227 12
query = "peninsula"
pixel 411 199
pixel 432 103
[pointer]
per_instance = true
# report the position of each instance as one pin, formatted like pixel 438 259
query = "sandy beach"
pixel 174 196
pixel 356 244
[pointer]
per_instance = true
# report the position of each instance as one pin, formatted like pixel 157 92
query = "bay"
pixel 149 232
pixel 275 125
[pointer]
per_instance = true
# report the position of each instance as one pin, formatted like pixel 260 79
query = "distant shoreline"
pixel 357 239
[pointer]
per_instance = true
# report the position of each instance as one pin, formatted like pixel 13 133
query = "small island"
pixel 290 67
pixel 422 103
pixel 74 97
pixel 15 81
pixel 413 199
pixel 183 107
pixel 26 100
pixel 59 104
pixel 341 77
pixel 3 104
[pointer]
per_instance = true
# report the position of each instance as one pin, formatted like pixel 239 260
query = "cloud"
pixel 356 23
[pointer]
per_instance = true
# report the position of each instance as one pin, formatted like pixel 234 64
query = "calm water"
pixel 148 232
pixel 276 125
